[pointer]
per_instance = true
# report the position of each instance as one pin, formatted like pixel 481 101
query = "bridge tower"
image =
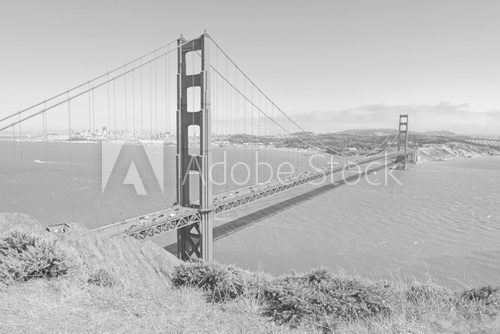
pixel 403 137
pixel 194 240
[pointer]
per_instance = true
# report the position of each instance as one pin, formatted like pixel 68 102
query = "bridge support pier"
pixel 194 240
pixel 403 137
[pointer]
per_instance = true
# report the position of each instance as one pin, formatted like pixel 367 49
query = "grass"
pixel 78 282
pixel 327 302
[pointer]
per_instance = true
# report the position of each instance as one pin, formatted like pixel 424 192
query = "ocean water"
pixel 60 182
pixel 440 221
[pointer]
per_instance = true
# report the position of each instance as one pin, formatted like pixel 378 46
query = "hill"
pixel 440 133
pixel 366 132
pixel 77 282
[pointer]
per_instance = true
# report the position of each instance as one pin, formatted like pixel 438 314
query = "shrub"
pixel 26 255
pixel 485 293
pixel 224 282
pixel 424 293
pixel 102 278
pixel 317 297
pixel 478 301
pixel 323 299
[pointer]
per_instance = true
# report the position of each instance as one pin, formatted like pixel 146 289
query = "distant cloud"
pixel 443 116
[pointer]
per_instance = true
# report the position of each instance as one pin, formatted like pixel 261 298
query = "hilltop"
pixel 378 132
pixel 367 141
pixel 78 282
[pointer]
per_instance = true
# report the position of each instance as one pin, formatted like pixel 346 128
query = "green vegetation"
pixel 78 282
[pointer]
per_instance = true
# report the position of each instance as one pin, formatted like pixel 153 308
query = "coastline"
pixel 454 150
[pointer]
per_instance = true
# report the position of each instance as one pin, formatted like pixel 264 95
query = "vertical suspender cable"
pixel 133 105
pixel 254 150
pixel 45 139
pixel 90 113
pixel 109 110
pixel 142 105
pixel 70 149
pixel 258 133
pixel 165 138
pixel 114 107
pixel 166 98
pixel 227 119
pixel 126 105
pixel 150 103
pixel 93 110
pixel 156 98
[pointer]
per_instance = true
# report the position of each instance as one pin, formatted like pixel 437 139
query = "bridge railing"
pixel 176 217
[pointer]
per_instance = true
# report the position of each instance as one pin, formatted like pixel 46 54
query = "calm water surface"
pixel 442 223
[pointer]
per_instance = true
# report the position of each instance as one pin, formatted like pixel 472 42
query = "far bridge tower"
pixel 403 137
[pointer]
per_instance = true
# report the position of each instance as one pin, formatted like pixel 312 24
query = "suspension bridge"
pixel 191 98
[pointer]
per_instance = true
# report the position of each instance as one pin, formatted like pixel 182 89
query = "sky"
pixel 332 64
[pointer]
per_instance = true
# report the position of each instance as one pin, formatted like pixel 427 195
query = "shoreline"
pixel 454 150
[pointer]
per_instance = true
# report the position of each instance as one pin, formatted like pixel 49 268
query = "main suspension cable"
pixel 85 91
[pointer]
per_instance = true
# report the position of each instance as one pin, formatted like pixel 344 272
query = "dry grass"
pixel 115 285
pixel 78 283
pixel 327 302
pixel 44 306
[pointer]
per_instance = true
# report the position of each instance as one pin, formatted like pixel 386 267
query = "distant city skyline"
pixel 333 65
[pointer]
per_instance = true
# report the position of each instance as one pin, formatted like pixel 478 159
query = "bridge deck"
pixel 155 223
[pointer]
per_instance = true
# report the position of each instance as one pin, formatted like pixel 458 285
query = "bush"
pixel 224 282
pixel 488 294
pixel 323 299
pixel 102 278
pixel 320 299
pixel 317 297
pixel 479 301
pixel 26 255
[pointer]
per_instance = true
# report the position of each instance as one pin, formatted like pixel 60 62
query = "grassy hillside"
pixel 78 282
